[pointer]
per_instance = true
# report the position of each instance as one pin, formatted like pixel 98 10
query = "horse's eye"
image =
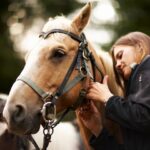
pixel 58 53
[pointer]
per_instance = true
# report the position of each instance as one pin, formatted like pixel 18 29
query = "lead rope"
pixel 31 139
pixel 48 131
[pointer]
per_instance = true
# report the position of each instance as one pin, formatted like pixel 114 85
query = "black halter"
pixel 80 63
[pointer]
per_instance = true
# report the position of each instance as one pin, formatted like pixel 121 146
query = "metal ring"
pixel 46 113
pixel 83 71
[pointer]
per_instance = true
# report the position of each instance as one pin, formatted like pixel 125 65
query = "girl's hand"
pixel 99 91
pixel 91 117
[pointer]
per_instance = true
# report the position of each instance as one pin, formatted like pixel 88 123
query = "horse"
pixel 56 76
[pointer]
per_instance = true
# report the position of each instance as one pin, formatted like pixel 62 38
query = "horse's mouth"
pixel 24 131
pixel 32 131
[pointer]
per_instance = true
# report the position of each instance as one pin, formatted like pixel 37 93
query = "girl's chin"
pixel 126 75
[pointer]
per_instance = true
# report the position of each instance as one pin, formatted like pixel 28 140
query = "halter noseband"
pixel 80 63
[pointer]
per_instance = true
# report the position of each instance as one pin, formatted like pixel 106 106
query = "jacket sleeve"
pixel 128 113
pixel 105 142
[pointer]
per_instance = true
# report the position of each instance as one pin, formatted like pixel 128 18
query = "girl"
pixel 131 59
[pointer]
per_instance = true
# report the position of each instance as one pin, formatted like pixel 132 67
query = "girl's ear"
pixel 81 19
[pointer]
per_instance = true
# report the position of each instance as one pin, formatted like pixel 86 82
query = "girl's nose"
pixel 118 65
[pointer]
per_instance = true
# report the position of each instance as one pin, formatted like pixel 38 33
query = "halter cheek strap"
pixel 33 85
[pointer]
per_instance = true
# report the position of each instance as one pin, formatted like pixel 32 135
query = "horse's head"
pixel 43 77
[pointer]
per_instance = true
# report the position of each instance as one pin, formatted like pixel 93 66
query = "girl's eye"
pixel 119 56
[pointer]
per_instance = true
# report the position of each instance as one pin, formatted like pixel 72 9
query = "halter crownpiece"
pixel 71 34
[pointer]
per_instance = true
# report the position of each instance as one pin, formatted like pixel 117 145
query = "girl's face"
pixel 125 56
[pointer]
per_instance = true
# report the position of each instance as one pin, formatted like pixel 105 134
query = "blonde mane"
pixel 108 66
pixel 59 22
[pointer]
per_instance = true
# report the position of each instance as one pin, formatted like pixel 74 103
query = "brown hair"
pixel 133 39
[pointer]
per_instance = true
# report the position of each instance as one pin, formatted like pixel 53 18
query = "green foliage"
pixel 10 62
pixel 24 12
pixel 58 7
pixel 134 16
pixel 10 66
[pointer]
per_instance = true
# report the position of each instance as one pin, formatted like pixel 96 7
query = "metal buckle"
pixel 85 55
pixel 49 112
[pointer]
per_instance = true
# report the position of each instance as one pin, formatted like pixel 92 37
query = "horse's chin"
pixel 24 131
pixel 28 126
pixel 32 131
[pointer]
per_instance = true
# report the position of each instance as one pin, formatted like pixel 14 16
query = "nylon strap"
pixel 33 85
pixel 73 82
pixel 71 34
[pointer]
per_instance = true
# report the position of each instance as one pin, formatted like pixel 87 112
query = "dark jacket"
pixel 105 141
pixel 131 112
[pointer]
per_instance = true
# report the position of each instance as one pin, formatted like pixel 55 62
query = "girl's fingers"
pixel 92 95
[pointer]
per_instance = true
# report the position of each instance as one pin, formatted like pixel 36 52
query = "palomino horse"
pixel 56 76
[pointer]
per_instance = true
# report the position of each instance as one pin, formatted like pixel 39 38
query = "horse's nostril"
pixel 18 114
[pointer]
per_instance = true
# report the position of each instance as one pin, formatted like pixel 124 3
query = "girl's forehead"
pixel 117 49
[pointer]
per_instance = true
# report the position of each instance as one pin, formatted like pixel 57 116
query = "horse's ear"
pixel 81 20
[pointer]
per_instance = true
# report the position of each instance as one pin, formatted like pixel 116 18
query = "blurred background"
pixel 22 21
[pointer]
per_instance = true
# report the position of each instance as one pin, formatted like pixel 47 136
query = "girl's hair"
pixel 132 39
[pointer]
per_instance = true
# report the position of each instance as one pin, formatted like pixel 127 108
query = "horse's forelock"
pixel 59 22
